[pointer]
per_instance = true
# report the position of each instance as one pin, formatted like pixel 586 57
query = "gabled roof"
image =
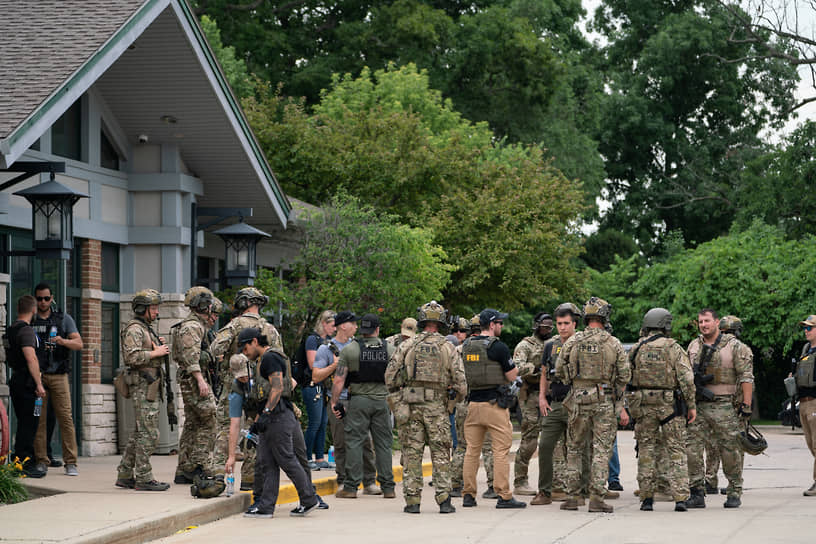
pixel 54 51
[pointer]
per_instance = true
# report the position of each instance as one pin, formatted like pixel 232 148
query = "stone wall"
pixel 98 419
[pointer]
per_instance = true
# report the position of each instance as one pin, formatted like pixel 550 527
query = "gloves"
pixel 745 412
pixel 260 425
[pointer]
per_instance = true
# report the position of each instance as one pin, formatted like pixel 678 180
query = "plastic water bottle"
pixel 230 484
pixel 331 454
pixel 252 437
pixel 38 407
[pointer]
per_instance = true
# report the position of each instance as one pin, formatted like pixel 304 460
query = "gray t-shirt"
pixel 324 357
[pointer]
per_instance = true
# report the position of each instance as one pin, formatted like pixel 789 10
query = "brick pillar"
pixel 90 327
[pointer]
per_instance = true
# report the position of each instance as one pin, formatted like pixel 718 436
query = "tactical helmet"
pixel 250 296
pixel 568 306
pixel 432 311
pixel 657 318
pixel 597 308
pixel 732 324
pixel 475 325
pixel 206 487
pixel 752 441
pixel 199 299
pixel 143 299
pixel 462 325
pixel 217 305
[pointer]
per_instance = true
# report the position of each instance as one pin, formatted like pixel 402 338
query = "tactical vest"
pixel 56 359
pixel 595 358
pixel 425 363
pixel 14 352
pixel 204 356
pixel 147 342
pixel 652 367
pixel 259 386
pixel 251 320
pixel 558 389
pixel 536 351
pixel 721 365
pixel 371 365
pixel 805 368
pixel 481 371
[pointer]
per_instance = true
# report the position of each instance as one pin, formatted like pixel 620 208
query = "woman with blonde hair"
pixel 315 395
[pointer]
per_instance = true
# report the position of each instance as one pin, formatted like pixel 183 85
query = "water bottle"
pixel 230 484
pixel 331 454
pixel 38 407
pixel 252 437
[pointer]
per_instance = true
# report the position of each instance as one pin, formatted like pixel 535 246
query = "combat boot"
pixel 490 493
pixel 524 489
pixel 456 492
pixel 446 507
pixel 468 501
pixel 152 485
pixel 182 478
pixel 558 496
pixel 411 509
pixel 126 483
pixel 647 505
pixel 732 502
pixel 541 498
pixel 697 499
pixel 711 489
pixel 596 504
pixel 346 493
pixel 610 495
pixel 680 506
pixel 581 501
pixel 569 504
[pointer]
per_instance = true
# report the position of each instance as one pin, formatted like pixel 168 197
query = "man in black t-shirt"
pixel 25 384
pixel 279 429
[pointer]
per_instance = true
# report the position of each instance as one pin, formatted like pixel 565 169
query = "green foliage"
pixel 11 488
pixel 604 245
pixel 235 69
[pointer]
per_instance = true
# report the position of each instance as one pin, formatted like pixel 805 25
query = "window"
pixel 66 133
pixel 108 157
pixel 110 267
pixel 110 341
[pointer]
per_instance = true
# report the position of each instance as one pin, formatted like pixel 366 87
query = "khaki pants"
pixel 483 417
pixel 807 414
pixel 59 394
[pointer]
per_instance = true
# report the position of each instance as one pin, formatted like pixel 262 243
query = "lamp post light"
pixel 240 241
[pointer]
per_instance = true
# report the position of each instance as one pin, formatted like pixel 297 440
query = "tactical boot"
pixel 126 483
pixel 524 489
pixel 615 486
pixel 732 502
pixel 581 501
pixel 446 507
pixel 456 492
pixel 711 489
pixel 697 499
pixel 810 492
pixel 598 505
pixel 152 485
pixel 541 498
pixel 411 509
pixel 181 478
pixel 569 504
pixel 389 494
pixel 680 506
pixel 468 501
pixel 490 493
pixel 558 496
pixel 346 493
pixel 610 495
pixel 647 505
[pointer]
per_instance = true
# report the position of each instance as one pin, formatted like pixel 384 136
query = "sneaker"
pixel 647 505
pixel 41 467
pixel 71 470
pixel 541 498
pixel 254 512
pixel 510 503
pixel 345 493
pixel 468 501
pixel 325 464
pixel 321 504
pixel 811 492
pixel 372 490
pixel 390 494
pixel 615 486
pixel 301 510
pixel 56 463
pixel 152 485
pixel 524 489
pixel 411 509
pixel 446 507
pixel 37 470
pixel 490 493
pixel 732 502
pixel 125 483
pixel 182 479
pixel 313 466
pixel 558 496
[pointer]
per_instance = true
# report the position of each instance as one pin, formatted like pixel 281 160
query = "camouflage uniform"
pixel 731 364
pixel 712 462
pixel 191 353
pixel 137 343
pixel 660 366
pixel 594 363
pixel 418 376
pixel 224 347
pixel 527 357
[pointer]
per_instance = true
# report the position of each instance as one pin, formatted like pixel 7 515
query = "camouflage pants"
pixel 198 435
pixel 530 429
pixel 457 463
pixel 719 420
pixel 250 458
pixel 595 423
pixel 712 462
pixel 552 453
pixel 661 452
pixel 144 438
pixel 222 425
pixel 428 424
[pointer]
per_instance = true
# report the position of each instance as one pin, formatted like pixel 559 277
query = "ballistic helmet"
pixel 597 308
pixel 542 319
pixel 217 305
pixel 732 324
pixel 568 307
pixel 206 487
pixel 143 299
pixel 250 296
pixel 657 318
pixel 199 299
pixel 432 311
pixel 475 326
pixel 752 441
pixel 460 324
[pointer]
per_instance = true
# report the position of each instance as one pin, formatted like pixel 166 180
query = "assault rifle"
pixel 172 418
pixel 701 379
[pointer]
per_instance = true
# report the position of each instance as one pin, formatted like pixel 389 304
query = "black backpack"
pixel 300 366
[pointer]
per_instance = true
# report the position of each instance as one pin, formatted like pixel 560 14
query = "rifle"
pixel 701 379
pixel 172 418
pixel 212 374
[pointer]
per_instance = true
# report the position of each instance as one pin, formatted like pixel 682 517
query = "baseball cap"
pixel 238 365
pixel 490 315
pixel 409 325
pixel 369 323
pixel 247 335
pixel 344 317
pixel 809 320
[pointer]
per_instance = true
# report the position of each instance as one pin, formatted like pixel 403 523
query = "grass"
pixel 11 488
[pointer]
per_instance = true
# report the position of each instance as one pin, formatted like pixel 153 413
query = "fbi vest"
pixel 652 368
pixel 481 371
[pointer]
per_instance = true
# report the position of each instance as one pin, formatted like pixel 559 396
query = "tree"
pixel 235 69
pixel 604 245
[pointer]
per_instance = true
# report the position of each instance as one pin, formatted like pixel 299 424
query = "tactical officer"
pixel 407 330
pixel 419 376
pixel 594 363
pixel 249 301
pixel 488 368
pixel 527 357
pixel 191 351
pixel 724 378
pixel 804 370
pixel 142 351
pixel 361 368
pixel 661 381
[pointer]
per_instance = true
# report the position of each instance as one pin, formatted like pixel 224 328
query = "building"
pixel 129 96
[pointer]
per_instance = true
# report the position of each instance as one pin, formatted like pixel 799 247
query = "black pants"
pixel 281 447
pixel 23 394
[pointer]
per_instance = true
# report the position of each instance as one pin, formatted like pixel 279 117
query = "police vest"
pixel 481 371
pixel 426 364
pixel 652 367
pixel 53 359
pixel 371 365
pixel 721 364
pixel 14 352
pixel 805 368
pixel 594 357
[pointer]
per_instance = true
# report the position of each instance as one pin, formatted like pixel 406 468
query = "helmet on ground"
pixel 731 324
pixel 206 487
pixel 542 319
pixel 597 308
pixel 658 318
pixel 143 299
pixel 250 296
pixel 752 441
pixel 568 307
pixel 432 311
pixel 199 299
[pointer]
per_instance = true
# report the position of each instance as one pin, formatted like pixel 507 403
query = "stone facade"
pixel 98 420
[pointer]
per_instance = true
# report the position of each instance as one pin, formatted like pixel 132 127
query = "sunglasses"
pixel 808 328
pixel 43 299
pixel 499 322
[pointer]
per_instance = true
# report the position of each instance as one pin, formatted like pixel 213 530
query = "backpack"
pixel 300 365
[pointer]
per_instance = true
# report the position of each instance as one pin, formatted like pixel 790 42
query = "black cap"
pixel 369 323
pixel 344 317
pixel 247 335
pixel 490 315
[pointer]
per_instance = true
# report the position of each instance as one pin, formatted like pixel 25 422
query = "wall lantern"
pixel 241 242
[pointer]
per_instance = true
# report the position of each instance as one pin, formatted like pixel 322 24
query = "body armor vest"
pixel 259 387
pixel 805 368
pixel 53 359
pixel 652 368
pixel 481 372
pixel 204 356
pixel 371 365
pixel 595 358
pixel 558 389
pixel 147 342
pixel 536 351
pixel 425 364
pixel 14 353
pixel 721 365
